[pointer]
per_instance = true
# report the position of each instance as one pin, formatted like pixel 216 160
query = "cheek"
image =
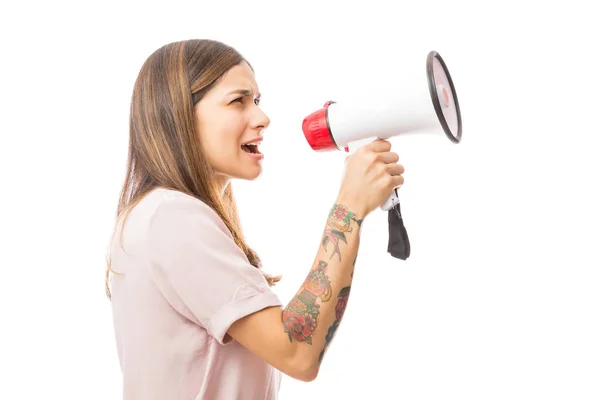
pixel 222 135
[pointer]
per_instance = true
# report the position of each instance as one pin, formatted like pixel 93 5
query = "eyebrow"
pixel 244 92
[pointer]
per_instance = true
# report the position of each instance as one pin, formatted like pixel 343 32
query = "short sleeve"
pixel 199 268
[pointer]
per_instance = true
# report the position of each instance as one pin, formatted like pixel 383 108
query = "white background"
pixel 500 298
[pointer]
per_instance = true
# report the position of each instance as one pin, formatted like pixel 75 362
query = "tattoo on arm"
pixel 300 315
pixel 338 224
pixel 340 308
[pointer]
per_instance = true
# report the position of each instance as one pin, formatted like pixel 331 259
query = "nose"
pixel 260 119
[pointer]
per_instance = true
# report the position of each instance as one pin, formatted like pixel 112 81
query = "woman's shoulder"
pixel 168 200
pixel 169 205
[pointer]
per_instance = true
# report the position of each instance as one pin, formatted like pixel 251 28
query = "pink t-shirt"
pixel 184 282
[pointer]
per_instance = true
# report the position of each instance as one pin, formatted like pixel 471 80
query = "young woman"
pixel 194 315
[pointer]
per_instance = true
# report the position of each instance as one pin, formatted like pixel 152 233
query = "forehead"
pixel 238 77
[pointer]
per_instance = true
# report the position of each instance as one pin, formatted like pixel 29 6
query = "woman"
pixel 194 315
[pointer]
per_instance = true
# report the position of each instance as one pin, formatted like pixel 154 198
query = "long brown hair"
pixel 164 148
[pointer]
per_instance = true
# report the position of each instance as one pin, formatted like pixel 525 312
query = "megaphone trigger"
pixel 391 201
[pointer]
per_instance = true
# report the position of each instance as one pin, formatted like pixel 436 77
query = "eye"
pixel 241 101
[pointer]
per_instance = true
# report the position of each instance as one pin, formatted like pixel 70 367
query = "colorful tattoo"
pixel 300 316
pixel 338 224
pixel 340 308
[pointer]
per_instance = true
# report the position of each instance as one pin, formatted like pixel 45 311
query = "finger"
pixel 395 169
pixel 378 146
pixel 388 157
pixel 397 180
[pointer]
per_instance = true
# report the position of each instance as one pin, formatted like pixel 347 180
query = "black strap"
pixel 398 244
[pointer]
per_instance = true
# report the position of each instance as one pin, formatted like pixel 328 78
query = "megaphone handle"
pixel 391 201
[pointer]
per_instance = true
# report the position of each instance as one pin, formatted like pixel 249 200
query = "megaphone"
pixel 428 104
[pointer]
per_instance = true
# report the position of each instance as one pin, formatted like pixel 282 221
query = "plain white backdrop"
pixel 500 298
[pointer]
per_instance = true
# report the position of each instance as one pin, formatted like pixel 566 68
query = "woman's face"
pixel 227 117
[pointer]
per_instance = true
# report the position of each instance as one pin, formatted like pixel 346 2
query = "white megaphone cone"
pixel 428 103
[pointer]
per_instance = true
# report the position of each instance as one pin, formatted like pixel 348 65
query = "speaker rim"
pixel 435 98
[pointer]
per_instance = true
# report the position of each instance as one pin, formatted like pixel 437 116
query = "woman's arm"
pixel 294 339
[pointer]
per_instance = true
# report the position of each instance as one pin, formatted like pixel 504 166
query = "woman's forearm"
pixel 312 317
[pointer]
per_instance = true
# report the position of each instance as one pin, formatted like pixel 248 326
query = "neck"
pixel 223 181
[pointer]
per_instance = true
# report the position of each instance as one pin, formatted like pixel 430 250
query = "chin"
pixel 248 174
pixel 252 174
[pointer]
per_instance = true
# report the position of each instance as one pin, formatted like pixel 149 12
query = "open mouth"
pixel 251 148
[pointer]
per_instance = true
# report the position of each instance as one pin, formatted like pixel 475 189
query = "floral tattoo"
pixel 338 224
pixel 300 315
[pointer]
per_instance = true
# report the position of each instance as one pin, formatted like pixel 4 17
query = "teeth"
pixel 252 147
